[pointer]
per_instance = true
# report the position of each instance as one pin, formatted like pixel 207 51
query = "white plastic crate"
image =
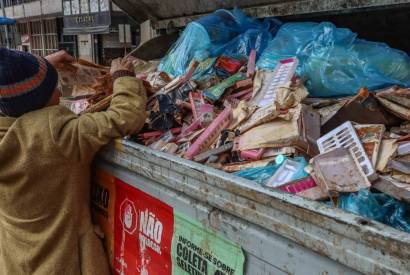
pixel 345 136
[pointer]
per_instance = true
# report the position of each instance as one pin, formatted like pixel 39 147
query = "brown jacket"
pixel 45 157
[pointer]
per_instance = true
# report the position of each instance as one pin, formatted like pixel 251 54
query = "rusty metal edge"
pixel 289 8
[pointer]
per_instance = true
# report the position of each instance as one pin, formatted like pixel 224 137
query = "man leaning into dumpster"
pixel 45 157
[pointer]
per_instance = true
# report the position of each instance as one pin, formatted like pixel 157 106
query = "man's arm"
pixel 81 137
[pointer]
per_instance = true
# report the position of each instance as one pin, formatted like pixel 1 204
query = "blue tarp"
pixel 7 21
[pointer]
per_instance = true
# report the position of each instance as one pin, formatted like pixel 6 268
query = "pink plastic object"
pixel 210 134
pixel 299 186
pixel 197 101
pixel 240 94
pixel 189 130
pixel 251 64
pixel 205 114
pixel 252 154
pixel 247 96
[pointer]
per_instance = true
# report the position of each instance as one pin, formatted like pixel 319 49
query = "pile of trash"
pixel 86 86
pixel 304 108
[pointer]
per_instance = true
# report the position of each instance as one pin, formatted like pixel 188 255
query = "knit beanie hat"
pixel 26 82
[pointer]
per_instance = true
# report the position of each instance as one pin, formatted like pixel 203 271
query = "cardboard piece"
pixel 403 148
pixel 387 149
pixel 363 109
pixel 402 177
pixel 301 131
pixel 289 96
pixel 261 116
pixel 394 188
pixel 396 100
pixel 235 167
pixel 241 113
pixel 371 137
pixel 78 78
pixel 327 112
pixel 399 166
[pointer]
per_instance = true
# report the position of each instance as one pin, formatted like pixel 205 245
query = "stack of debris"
pixel 265 128
pixel 86 86
pixel 261 125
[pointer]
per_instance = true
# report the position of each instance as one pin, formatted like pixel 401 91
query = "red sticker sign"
pixel 143 229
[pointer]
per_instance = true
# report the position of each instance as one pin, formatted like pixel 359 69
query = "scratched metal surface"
pixel 180 12
pixel 328 239
pixel 266 252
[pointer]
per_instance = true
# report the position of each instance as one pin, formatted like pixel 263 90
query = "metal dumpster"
pixel 278 233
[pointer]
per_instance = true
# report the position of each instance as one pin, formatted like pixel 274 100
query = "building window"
pixel 84 6
pixel 73 7
pixel 93 5
pixel 50 36
pixel 104 5
pixel 67 7
pixel 9 3
pixel 36 39
pixel 44 37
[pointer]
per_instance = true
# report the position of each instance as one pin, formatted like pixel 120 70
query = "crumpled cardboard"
pixel 78 78
pixel 387 150
pixel 371 136
pixel 261 116
pixel 240 113
pixel 290 95
pixel 301 131
pixel 396 100
pixel 157 80
pixel 363 109
pixel 394 188
pixel 143 68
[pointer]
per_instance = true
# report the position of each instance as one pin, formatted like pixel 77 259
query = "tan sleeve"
pixel 80 137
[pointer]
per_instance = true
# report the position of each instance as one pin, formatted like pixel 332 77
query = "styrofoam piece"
pixel 286 173
pixel 345 136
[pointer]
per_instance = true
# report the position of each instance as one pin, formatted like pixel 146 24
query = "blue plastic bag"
pixel 223 32
pixel 334 62
pixel 379 207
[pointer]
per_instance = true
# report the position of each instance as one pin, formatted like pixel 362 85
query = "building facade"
pixel 96 30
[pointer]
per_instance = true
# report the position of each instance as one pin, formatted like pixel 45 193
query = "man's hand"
pixel 59 58
pixel 121 64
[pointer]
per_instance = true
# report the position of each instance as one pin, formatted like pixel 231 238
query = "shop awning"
pixel 7 21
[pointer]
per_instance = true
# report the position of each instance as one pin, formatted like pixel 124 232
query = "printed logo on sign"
pixel 150 229
pixel 128 216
